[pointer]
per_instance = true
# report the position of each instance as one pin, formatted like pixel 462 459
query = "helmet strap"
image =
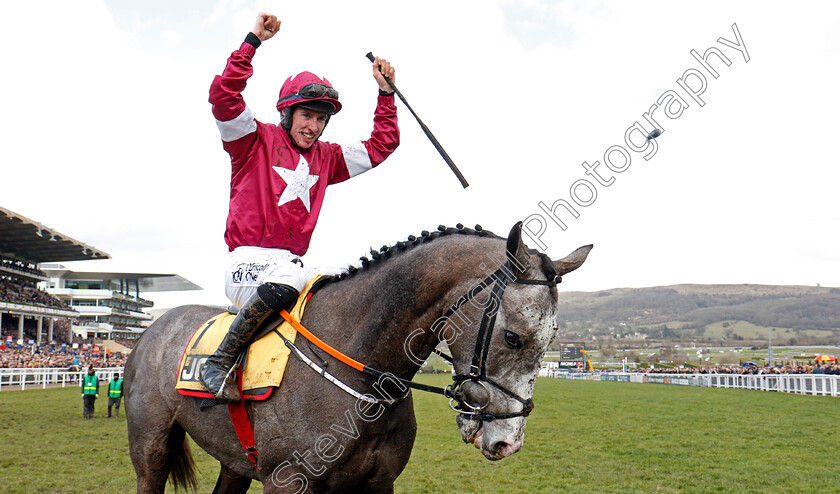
pixel 286 118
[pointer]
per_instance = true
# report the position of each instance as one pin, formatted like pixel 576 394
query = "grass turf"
pixel 583 436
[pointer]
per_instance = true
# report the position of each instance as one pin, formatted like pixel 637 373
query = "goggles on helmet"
pixel 316 90
pixel 312 91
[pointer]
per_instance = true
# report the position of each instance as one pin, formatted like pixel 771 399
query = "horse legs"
pixel 230 482
pixel 158 451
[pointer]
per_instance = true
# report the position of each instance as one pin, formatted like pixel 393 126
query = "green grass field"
pixel 743 329
pixel 583 437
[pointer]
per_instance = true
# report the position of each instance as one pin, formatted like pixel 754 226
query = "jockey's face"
pixel 307 126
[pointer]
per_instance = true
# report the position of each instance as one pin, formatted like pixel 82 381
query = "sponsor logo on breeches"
pixel 247 272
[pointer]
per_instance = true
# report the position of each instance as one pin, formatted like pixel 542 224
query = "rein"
pixel 477 372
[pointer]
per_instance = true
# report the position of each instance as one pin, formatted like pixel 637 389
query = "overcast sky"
pixel 108 137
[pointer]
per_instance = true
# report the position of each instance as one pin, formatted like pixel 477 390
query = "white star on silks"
pixel 298 183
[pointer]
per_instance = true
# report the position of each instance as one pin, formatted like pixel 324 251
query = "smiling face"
pixel 307 126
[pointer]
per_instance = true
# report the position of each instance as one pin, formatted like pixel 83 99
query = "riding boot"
pixel 217 372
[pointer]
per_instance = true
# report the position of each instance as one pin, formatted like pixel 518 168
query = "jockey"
pixel 279 176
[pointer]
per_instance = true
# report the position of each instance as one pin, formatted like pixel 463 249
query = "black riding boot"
pixel 216 374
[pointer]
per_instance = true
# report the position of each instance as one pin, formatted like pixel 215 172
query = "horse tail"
pixel 180 460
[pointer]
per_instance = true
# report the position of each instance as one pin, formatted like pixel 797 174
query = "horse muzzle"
pixel 495 440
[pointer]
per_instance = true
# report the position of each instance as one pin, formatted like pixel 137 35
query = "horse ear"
pixel 514 238
pixel 572 261
pixel 517 252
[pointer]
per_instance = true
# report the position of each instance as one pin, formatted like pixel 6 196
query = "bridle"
pixel 477 370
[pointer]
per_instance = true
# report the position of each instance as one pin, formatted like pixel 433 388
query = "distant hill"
pixel 798 314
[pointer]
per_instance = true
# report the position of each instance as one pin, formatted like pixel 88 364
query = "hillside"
pixel 708 313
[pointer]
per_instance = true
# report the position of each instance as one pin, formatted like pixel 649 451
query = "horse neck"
pixel 396 301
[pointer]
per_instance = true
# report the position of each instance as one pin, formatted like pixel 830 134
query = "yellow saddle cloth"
pixel 265 361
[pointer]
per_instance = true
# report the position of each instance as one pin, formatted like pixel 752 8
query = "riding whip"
pixel 426 130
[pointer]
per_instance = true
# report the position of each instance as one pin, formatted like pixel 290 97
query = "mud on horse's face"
pixel 525 309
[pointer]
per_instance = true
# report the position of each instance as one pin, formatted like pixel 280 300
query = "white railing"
pixel 21 378
pixel 805 384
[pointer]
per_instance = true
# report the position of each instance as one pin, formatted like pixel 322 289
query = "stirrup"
pixel 229 391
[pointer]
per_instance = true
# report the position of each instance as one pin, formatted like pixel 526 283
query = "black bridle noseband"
pixel 477 372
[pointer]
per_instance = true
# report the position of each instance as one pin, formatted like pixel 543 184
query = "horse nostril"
pixel 501 448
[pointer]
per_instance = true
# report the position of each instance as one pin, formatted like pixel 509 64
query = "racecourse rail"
pixel 805 384
pixel 53 377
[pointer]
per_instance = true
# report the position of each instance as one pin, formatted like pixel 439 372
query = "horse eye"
pixel 512 340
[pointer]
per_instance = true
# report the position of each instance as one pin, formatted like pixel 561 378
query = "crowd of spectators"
pixel 61 327
pixel 126 342
pixel 23 291
pixel 16 356
pixel 13 355
pixel 18 291
pixel 21 267
pixel 805 368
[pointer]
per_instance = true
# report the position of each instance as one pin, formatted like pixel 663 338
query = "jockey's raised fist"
pixel 266 26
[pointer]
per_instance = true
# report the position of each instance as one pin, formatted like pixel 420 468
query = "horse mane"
pixel 387 252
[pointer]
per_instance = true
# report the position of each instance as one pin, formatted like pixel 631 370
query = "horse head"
pixel 511 318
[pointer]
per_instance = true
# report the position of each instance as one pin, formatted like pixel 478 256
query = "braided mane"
pixel 386 252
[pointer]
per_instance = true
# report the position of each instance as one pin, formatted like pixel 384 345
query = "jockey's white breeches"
pixel 250 267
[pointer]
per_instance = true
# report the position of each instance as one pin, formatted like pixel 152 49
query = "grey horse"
pixel 389 314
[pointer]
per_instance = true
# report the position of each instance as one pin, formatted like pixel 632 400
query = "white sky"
pixel 108 137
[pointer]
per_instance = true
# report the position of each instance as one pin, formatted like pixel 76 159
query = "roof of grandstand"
pixel 149 282
pixel 27 240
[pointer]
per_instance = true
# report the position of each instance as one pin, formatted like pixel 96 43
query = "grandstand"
pixel 24 309
pixel 45 302
pixel 109 305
